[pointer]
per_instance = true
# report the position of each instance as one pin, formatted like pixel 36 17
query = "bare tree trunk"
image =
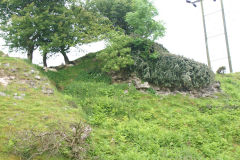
pixel 65 56
pixel 30 53
pixel 44 59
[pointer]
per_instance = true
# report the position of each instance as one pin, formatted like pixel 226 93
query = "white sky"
pixel 185 34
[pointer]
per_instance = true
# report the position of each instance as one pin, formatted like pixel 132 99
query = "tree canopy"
pixel 115 11
pixel 53 26
pixel 57 25
pixel 142 22
pixel 25 23
pixel 135 17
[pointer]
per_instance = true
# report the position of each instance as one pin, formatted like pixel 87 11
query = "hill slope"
pixel 28 100
pixel 126 124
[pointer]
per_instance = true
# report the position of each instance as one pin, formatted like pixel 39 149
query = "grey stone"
pixel 3 94
pixel 32 71
pixel 217 85
pixel 18 97
pixel 11 77
pixel 38 77
pixel 47 91
pixel 13 70
pixel 22 89
pixel 7 65
pixel 144 85
pixel 32 84
pixel 69 65
pixel 52 69
pixel 49 69
pixel 26 74
pixel 23 94
pixel 4 81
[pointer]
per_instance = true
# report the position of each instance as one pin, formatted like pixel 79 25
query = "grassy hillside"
pixel 126 124
pixel 29 101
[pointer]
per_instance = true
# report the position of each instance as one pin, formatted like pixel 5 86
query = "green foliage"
pixel 174 72
pixel 115 11
pixel 73 26
pixel 117 54
pixel 135 17
pixel 142 22
pixel 35 110
pixel 154 64
pixel 31 23
pixel 54 26
pixel 135 125
pixel 221 70
pixel 125 125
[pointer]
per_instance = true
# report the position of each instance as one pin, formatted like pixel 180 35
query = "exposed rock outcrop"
pixel 132 79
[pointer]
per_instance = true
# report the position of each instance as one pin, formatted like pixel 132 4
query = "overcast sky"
pixel 185 34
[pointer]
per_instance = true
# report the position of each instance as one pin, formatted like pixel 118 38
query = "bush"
pixel 221 70
pixel 172 71
pixel 117 55
pixel 153 63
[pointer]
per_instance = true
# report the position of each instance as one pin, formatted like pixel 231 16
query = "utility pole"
pixel 226 38
pixel 205 34
pixel 204 27
pixel 193 2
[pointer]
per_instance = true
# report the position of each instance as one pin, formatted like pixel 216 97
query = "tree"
pixel 114 10
pixel 140 32
pixel 53 26
pixel 19 32
pixel 135 17
pixel 24 22
pixel 142 22
pixel 73 25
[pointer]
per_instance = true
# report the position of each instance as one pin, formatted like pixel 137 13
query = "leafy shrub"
pixel 221 70
pixel 174 72
pixel 153 63
pixel 117 54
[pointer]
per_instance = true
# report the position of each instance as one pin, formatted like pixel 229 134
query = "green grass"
pixel 133 125
pixel 146 126
pixel 35 111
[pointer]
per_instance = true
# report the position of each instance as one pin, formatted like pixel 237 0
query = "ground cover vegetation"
pixel 125 123
pixel 77 113
pixel 128 124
